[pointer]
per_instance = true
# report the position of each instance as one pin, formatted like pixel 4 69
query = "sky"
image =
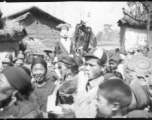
pixel 72 12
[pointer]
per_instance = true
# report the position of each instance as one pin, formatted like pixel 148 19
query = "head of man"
pixel 67 65
pixel 13 80
pixel 95 63
pixel 39 69
pixel 114 61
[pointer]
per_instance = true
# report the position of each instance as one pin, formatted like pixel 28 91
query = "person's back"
pixel 22 109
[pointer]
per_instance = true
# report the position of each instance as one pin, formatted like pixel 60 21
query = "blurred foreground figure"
pixel 15 89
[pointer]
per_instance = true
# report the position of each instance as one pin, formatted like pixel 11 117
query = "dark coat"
pixel 43 93
pixel 21 109
pixel 60 50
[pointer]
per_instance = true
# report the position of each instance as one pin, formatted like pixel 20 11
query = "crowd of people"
pixel 97 84
pixel 93 84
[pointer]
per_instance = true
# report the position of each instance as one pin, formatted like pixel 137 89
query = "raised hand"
pixel 82 80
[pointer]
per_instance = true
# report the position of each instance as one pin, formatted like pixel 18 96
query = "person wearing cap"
pixel 10 56
pixel 64 46
pixel 114 64
pixel 19 62
pixel 15 89
pixel 68 68
pixel 6 62
pixel 42 86
pixel 21 56
pixel 89 79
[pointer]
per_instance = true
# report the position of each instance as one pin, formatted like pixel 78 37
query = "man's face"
pixel 113 65
pixel 104 108
pixel 6 89
pixel 93 69
pixel 38 72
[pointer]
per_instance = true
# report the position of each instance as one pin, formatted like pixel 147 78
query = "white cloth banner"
pixel 134 38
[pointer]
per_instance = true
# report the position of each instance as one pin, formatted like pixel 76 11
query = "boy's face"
pixel 113 64
pixel 104 108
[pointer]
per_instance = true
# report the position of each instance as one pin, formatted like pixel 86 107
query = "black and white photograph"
pixel 76 59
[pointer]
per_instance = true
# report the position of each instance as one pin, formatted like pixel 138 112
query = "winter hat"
pixel 39 60
pixel 27 70
pixel 18 78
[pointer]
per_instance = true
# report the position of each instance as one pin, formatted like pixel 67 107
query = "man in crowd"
pixel 88 81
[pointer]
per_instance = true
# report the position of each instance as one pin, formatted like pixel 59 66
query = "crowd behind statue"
pixel 93 84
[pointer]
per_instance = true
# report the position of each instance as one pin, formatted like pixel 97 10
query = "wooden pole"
pixel 148 25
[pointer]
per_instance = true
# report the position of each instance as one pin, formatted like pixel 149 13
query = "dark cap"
pixel 116 57
pixel 18 78
pixel 67 60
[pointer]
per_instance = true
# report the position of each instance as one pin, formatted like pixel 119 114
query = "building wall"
pixel 122 39
pixel 42 29
pixel 9 47
pixel 131 38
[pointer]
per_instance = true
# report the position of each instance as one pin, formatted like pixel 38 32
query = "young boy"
pixel 113 98
pixel 115 66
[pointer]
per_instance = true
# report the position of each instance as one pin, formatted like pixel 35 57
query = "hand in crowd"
pixel 58 84
pixel 82 80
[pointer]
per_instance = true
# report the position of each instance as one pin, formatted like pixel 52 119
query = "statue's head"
pixel 64 30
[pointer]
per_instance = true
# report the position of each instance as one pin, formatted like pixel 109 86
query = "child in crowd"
pixel 114 63
pixel 113 98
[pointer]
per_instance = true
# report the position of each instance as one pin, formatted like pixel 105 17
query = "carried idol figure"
pixel 64 46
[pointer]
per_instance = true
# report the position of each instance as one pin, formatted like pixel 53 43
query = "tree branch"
pixel 126 13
